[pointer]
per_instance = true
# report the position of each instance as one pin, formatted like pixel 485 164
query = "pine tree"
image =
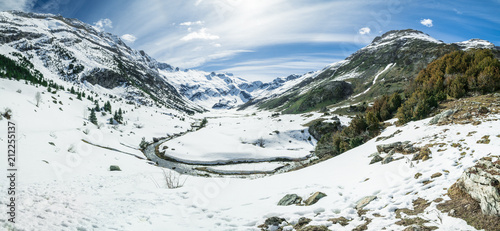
pixel 107 107
pixel 79 96
pixel 119 116
pixel 97 107
pixel 93 117
pixel 72 91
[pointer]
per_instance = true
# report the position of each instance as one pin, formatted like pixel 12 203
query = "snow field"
pixel 233 136
pixel 60 189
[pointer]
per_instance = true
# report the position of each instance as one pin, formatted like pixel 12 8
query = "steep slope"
pixel 384 66
pixel 69 50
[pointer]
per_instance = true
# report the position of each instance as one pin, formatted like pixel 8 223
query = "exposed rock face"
pixel 290 199
pixel 314 198
pixel 387 159
pixel 388 147
pixel 376 159
pixel 482 183
pixel 442 117
pixel 364 201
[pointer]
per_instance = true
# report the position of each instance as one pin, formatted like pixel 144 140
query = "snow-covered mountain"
pixel 68 50
pixel 72 51
pixel 384 66
pixel 220 90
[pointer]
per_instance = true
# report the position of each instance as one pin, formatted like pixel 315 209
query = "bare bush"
pixel 260 142
pixel 72 149
pixel 173 179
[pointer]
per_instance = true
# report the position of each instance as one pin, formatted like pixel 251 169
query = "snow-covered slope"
pixel 475 43
pixel 221 90
pixel 384 66
pixel 67 50
pixel 65 184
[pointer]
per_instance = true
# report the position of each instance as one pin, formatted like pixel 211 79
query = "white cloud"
pixel 103 24
pixel 191 23
pixel 201 34
pixel 239 26
pixel 24 5
pixel 364 30
pixel 129 38
pixel 426 22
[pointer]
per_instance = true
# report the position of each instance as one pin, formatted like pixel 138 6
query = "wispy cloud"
pixel 426 22
pixel 103 23
pixel 201 34
pixel 191 23
pixel 24 5
pixel 129 38
pixel 267 69
pixel 364 30
pixel 241 26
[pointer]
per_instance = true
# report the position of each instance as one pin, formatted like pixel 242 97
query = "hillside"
pixel 385 66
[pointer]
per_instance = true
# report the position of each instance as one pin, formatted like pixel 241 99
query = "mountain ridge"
pixel 406 52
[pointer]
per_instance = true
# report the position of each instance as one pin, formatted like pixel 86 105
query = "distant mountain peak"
pixel 395 35
pixel 475 43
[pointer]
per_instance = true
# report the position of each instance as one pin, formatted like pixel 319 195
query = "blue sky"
pixel 265 39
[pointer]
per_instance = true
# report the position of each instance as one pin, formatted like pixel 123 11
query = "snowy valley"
pixel 193 150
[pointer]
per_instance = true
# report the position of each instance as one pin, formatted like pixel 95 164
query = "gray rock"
pixel 482 183
pixel 388 147
pixel 387 159
pixel 314 198
pixel 290 199
pixel 364 201
pixel 441 117
pixel 374 154
pixel 114 168
pixel 376 159
pixel 274 221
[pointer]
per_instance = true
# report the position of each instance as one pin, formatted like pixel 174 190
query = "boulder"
pixel 364 201
pixel 388 147
pixel 387 159
pixel 274 221
pixel 314 198
pixel 290 199
pixel 376 159
pixel 441 117
pixel 114 168
pixel 482 183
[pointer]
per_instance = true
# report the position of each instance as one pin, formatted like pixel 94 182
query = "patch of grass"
pixel 419 205
pixel 363 226
pixel 427 182
pixel 341 221
pixel 310 123
pixel 484 140
pixel 464 207
pixel 436 175
pixel 417 175
pixel 411 221
pixel 314 228
pixel 471 133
